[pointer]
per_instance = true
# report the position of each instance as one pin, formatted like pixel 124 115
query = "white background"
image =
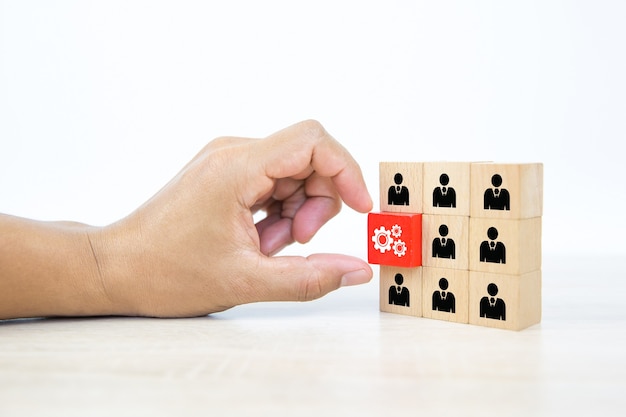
pixel 101 103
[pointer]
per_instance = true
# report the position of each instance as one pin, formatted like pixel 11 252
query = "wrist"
pixel 48 269
pixel 116 265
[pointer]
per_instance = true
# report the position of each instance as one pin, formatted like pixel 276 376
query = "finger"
pixel 274 234
pixel 310 207
pixel 304 279
pixel 306 146
pixel 322 204
pixel 277 231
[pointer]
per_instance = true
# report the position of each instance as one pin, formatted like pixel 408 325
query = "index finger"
pixel 300 149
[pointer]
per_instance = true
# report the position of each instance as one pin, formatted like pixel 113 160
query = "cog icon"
pixel 396 230
pixel 399 248
pixel 382 239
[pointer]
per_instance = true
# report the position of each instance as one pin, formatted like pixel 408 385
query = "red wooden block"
pixel 394 239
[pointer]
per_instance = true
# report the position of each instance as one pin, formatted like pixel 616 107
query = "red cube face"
pixel 394 239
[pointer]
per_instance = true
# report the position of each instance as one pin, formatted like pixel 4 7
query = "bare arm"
pixel 193 248
pixel 48 269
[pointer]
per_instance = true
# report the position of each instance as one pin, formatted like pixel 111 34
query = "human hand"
pixel 194 249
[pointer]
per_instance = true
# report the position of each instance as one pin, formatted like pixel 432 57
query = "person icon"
pixel 399 295
pixel 442 300
pixel 442 246
pixel 491 250
pixel 444 196
pixel 497 198
pixel 492 307
pixel 398 195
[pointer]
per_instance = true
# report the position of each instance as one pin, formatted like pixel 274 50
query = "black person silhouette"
pixel 442 247
pixel 492 251
pixel 399 295
pixel 492 307
pixel 398 195
pixel 444 196
pixel 497 198
pixel 442 300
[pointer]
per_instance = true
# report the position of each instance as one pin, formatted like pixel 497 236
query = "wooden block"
pixel 445 294
pixel 505 246
pixel 400 187
pixel 445 241
pixel 401 290
pixel 505 301
pixel 394 239
pixel 447 188
pixel 506 191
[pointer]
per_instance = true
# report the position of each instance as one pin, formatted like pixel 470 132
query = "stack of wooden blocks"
pixel 460 241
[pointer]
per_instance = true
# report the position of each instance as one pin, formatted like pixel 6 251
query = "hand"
pixel 194 249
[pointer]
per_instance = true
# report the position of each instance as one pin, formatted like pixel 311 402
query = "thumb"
pixel 294 278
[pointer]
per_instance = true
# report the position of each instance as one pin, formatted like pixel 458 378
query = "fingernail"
pixel 357 277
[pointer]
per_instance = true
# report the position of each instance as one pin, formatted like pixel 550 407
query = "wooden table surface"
pixel 335 355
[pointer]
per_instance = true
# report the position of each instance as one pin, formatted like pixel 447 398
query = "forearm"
pixel 48 269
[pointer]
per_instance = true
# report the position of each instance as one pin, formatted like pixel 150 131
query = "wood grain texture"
pixel 335 355
pixel 518 300
pixel 412 179
pixel 391 298
pixel 438 254
pixel 519 194
pixel 519 239
pixel 446 188
pixel 435 305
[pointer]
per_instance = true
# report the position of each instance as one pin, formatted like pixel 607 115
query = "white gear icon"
pixel 382 239
pixel 396 230
pixel 399 248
